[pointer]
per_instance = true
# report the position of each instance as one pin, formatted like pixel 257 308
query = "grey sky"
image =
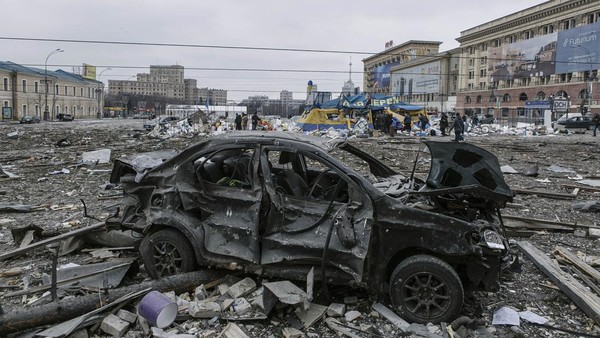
pixel 309 24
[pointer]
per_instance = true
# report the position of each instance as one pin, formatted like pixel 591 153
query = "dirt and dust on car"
pixel 281 205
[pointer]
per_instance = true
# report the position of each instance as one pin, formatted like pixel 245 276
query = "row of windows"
pixel 523 97
pixel 531 33
pixel 37 110
pixel 36 89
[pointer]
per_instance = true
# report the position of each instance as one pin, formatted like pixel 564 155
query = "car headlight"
pixel 493 240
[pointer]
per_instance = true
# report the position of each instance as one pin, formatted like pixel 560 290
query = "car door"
pixel 226 197
pixel 317 217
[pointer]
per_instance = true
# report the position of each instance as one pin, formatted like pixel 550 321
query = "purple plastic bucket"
pixel 158 309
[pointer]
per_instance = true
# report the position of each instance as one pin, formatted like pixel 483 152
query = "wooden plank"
pixel 583 298
pixel 54 239
pixel 580 264
pixel 587 281
pixel 548 194
pixel 518 224
pixel 549 221
pixel 580 187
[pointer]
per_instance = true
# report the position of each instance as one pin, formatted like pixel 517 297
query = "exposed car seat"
pixel 211 170
pixel 288 180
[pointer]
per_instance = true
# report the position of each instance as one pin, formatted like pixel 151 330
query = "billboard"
pixel 422 79
pixel 381 81
pixel 522 59
pixel 89 71
pixel 578 49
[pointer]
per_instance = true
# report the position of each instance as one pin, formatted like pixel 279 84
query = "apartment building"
pixel 541 58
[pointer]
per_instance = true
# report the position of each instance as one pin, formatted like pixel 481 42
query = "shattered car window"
pixel 228 168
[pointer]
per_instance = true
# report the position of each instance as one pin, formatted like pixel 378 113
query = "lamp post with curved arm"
pixel 46 112
pixel 590 83
pixel 99 92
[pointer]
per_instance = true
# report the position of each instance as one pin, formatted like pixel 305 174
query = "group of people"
pixel 241 121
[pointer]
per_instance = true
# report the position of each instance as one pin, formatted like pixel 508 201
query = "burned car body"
pixel 279 204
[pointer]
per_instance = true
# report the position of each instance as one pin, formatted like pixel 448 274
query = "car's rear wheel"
pixel 167 252
pixel 426 289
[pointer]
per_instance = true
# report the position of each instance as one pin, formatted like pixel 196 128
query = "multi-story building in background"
pixel 541 58
pixel 377 67
pixel 429 81
pixel 23 92
pixel 214 96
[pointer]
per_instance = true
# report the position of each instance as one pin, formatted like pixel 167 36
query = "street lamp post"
pixel 590 83
pixel 46 112
pixel 99 91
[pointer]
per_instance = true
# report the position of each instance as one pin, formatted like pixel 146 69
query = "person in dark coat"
pixel 423 121
pixel 459 127
pixel 238 121
pixel 407 123
pixel 255 120
pixel 596 121
pixel 444 124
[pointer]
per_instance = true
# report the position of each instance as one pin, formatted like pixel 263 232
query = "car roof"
pixel 272 136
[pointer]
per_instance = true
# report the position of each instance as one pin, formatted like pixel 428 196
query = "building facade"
pixel 216 97
pixel 429 81
pixel 377 67
pixel 538 57
pixel 23 92
pixel 165 81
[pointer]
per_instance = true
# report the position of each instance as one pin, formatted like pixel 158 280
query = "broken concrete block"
pixel 127 316
pixel 264 300
pixel 350 300
pixel 336 310
pixel 290 332
pixel 226 304
pixel 594 232
pixel 241 306
pixel 207 334
pixel 310 316
pixel 288 293
pixel 100 156
pixel 352 315
pixel 200 293
pixel 82 333
pixel 143 324
pixel 114 326
pixel 13 135
pixel 232 331
pixel 204 309
pixel 242 288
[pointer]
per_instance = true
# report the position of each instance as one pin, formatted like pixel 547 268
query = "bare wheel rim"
pixel 168 259
pixel 425 295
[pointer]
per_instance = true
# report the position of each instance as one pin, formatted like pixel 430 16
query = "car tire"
pixel 425 289
pixel 166 252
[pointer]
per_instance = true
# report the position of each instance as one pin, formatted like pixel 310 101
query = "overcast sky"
pixel 358 28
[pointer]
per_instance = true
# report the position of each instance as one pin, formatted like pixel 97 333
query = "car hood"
pixel 465 168
pixel 139 164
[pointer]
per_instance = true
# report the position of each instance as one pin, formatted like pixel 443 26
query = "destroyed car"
pixel 279 204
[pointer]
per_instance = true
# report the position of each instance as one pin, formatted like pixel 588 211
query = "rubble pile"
pixel 55 190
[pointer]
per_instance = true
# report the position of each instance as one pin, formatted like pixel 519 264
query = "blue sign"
pixel 537 104
pixel 578 49
pixel 382 75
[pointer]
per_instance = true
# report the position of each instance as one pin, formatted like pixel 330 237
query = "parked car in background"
pixel 29 119
pixel 576 124
pixel 141 116
pixel 65 117
pixel 282 204
pixel 162 122
pixel 561 120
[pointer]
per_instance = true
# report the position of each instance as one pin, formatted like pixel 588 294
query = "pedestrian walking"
pixel 423 121
pixel 255 120
pixel 238 122
pixel 407 123
pixel 596 121
pixel 244 121
pixel 444 123
pixel 459 127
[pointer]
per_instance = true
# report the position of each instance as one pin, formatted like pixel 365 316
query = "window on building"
pixel 25 112
pixel 497 43
pixel 81 91
pixel 506 98
pixel 74 91
pixel 467 99
pixel 471 75
pixel 479 98
pixel 37 110
pixel 66 90
pixel 36 87
pixel 5 83
pixel 24 84
pixel 522 97
pixel 5 104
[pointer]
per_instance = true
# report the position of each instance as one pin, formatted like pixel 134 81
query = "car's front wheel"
pixel 167 252
pixel 426 289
